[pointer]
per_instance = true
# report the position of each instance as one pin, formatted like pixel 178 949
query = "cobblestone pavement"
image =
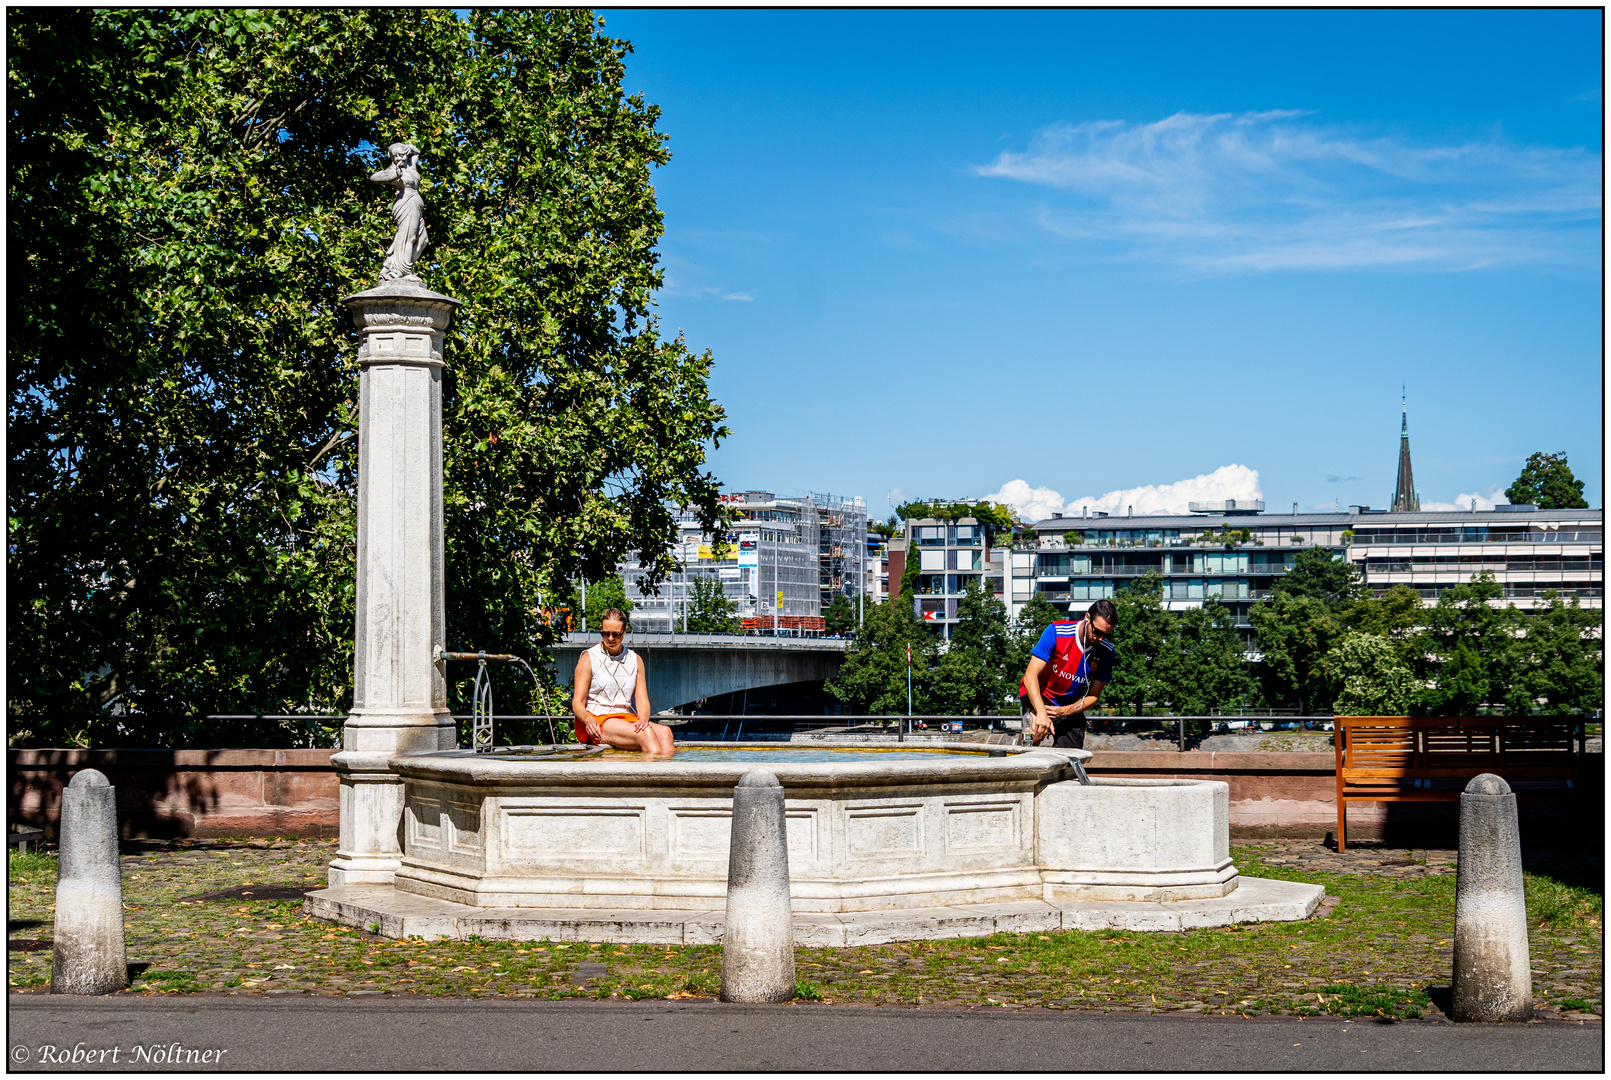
pixel 208 915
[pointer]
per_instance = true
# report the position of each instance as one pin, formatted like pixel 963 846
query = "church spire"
pixel 1404 495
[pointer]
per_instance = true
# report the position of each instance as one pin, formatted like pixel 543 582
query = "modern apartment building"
pixel 1528 551
pixel 952 555
pixel 785 560
pixel 1236 555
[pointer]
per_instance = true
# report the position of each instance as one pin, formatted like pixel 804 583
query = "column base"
pixel 363 871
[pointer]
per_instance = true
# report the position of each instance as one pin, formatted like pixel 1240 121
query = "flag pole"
pixel 908 721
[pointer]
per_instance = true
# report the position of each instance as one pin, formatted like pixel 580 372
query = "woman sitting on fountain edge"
pixel 611 701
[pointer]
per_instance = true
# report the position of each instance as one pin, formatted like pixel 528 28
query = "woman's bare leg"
pixel 622 735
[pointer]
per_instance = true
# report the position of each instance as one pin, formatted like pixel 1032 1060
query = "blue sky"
pixel 1103 254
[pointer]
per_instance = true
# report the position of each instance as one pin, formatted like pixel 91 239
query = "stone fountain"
pixel 437 841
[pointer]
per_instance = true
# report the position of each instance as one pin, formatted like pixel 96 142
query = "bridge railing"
pixel 1185 731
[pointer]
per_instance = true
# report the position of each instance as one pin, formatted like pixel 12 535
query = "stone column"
pixel 399 686
pixel 89 956
pixel 1493 971
pixel 758 935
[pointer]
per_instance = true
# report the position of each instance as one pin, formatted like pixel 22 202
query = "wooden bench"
pixel 23 835
pixel 1431 758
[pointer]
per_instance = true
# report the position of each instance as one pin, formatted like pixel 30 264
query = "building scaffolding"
pixel 841 546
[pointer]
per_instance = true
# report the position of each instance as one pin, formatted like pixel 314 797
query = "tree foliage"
pixel 1293 634
pixel 1472 643
pixel 974 675
pixel 189 200
pixel 709 609
pixel 1558 661
pixel 873 677
pixel 1140 640
pixel 1202 666
pixel 1370 677
pixel 996 518
pixel 1546 481
pixel 839 617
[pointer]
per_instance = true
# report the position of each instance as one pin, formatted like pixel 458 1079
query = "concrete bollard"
pixel 88 955
pixel 1493 975
pixel 758 942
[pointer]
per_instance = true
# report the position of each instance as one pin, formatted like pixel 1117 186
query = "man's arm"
pixel 1088 701
pixel 1042 723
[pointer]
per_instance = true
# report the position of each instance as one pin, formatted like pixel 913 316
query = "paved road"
pixel 331 1033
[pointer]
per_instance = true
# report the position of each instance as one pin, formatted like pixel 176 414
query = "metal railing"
pixel 481 709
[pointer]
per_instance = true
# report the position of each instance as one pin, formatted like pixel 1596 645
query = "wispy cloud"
pixel 1277 190
pixel 1335 479
pixel 1226 482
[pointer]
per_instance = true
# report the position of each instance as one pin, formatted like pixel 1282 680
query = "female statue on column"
pixel 408 212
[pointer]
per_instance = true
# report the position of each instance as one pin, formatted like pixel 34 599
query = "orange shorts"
pixel 587 740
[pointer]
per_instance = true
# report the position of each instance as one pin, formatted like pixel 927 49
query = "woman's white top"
pixel 614 680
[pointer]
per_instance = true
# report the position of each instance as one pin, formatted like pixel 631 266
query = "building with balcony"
pixel 951 554
pixel 1073 561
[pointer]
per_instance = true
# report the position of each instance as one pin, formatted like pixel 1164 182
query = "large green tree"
pixel 1547 482
pixel 1474 648
pixel 188 202
pixel 873 677
pixel 1298 622
pixel 1370 677
pixel 839 617
pixel 1557 661
pixel 1396 617
pixel 1141 638
pixel 1293 635
pixel 1202 665
pixel 974 675
pixel 709 609
pixel 1318 573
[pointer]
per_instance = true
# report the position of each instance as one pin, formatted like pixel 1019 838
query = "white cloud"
pixel 1277 191
pixel 1226 482
pixel 1493 497
pixel 1031 504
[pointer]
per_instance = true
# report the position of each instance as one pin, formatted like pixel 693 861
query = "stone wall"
pixel 164 793
pixel 295 792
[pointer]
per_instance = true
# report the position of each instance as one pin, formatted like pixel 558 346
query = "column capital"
pixel 402 323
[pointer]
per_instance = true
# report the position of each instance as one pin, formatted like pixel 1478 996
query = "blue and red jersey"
pixel 1069 670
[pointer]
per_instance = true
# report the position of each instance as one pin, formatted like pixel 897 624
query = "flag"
pixel 931 616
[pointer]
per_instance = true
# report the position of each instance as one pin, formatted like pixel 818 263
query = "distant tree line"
pixel 1322 644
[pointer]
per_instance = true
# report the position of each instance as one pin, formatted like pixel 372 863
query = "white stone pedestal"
pixel 399 688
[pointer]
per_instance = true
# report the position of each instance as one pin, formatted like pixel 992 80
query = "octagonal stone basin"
pixel 868 829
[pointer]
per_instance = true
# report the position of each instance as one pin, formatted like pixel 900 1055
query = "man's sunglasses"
pixel 1090 628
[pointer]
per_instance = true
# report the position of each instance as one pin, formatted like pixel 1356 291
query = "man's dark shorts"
pixel 1068 733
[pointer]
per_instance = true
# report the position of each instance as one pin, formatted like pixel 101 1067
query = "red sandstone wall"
pixel 1272 794
pixel 186 792
pixel 295 792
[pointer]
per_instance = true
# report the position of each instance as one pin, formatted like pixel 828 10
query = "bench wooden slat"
pixel 1420 759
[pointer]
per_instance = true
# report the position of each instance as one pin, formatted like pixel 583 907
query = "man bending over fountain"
pixel 1068 669
pixel 611 702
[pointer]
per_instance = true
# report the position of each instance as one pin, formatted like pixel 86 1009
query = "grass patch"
pixel 1345 999
pixel 35 867
pixel 176 982
pixel 1558 905
pixel 1374 955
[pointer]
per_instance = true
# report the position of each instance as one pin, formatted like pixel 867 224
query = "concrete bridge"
pixel 687 667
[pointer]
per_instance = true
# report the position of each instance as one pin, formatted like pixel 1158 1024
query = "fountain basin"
pixel 950 828
pixel 1126 839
